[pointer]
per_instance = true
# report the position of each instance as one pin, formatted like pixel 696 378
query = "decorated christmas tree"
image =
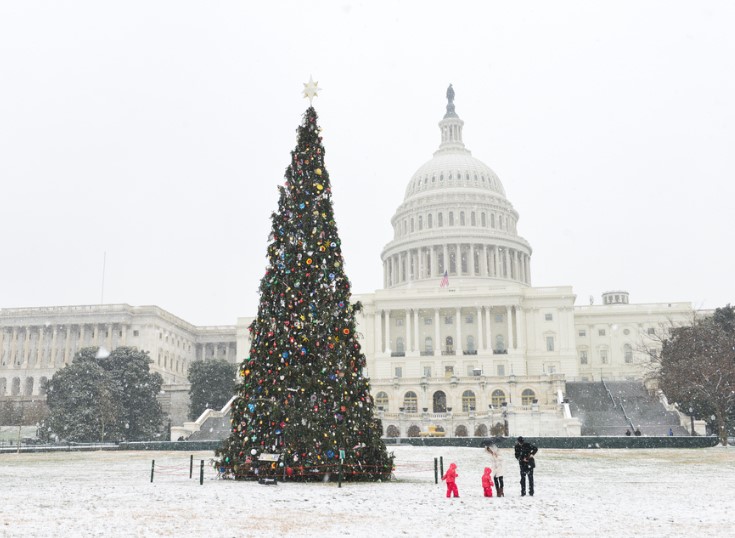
pixel 303 405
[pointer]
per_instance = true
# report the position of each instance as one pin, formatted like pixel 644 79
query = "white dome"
pixel 455 218
pixel 452 170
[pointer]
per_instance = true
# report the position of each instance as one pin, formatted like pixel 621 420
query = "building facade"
pixel 458 340
pixel 37 342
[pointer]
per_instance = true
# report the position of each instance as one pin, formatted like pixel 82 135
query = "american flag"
pixel 445 280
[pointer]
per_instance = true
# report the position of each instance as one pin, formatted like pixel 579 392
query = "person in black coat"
pixel 524 454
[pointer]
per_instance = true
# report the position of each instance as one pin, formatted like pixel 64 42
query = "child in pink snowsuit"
pixel 451 477
pixel 487 483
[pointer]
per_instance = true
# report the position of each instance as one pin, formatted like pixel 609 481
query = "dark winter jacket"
pixel 525 452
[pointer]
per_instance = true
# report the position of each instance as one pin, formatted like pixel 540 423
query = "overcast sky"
pixel 152 135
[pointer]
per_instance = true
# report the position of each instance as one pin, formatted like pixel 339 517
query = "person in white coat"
pixel 497 467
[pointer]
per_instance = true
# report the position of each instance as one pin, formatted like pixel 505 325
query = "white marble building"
pixel 36 342
pixel 483 347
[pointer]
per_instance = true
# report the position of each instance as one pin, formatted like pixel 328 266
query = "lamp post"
pixel 691 417
pixel 451 421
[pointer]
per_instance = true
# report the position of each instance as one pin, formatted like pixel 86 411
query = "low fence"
pixel 475 442
pixel 562 442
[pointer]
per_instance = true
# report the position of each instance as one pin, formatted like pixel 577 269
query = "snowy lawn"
pixel 665 492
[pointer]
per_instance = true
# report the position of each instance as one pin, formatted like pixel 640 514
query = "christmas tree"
pixel 302 394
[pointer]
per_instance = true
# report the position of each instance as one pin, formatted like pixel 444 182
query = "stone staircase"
pixel 612 407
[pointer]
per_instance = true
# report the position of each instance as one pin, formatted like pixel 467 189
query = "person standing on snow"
pixel 451 478
pixel 497 465
pixel 524 453
pixel 487 483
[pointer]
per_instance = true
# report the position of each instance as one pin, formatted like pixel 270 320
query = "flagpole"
pixel 102 293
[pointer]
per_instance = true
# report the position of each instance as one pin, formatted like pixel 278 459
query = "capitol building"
pixel 458 341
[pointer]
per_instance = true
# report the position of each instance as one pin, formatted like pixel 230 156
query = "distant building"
pixel 36 342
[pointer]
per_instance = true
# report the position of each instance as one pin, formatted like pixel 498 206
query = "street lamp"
pixel 451 421
pixel 691 417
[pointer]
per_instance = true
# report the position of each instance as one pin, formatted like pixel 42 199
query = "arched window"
pixel 481 430
pixel 628 350
pixel 461 431
pixel 451 218
pixel 429 220
pixel 492 220
pixel 439 401
pixel 410 227
pixel 29 386
pixel 497 398
pixel 483 220
pixel 471 344
pixel 413 431
pixel 410 402
pixel 468 401
pixel 440 220
pixel 392 431
pixel 421 223
pixel 15 387
pixel 527 397
pixel 461 218
pixel 42 386
pixel 473 220
pixel 3 386
pixel 399 345
pixel 381 400
pixel 428 345
pixel 449 345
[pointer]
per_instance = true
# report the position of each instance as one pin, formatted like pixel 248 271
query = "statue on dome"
pixel 450 103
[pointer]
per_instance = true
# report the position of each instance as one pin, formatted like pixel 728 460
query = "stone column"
pixel 433 270
pixel 13 346
pixel 26 346
pixel 437 334
pixel 458 340
pixel 67 328
pixel 109 327
pixel 409 331
pixel 446 259
pixel 377 333
pixel 520 314
pixel 478 324
pixel 387 331
pixel 471 261
pixel 40 347
pixel 510 346
pixel 416 319
pixel 488 327
pixel 54 351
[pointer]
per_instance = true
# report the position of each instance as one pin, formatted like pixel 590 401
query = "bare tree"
pixel 696 365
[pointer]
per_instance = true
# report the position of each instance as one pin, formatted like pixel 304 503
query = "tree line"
pixel 113 397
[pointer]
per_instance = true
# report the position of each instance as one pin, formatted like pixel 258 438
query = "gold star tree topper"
pixel 310 89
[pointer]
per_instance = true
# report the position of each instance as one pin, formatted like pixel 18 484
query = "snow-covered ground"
pixel 665 492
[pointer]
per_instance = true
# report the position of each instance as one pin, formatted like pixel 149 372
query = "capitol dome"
pixel 456 219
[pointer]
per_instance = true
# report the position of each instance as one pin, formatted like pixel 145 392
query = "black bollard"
pixel 436 470
pixel 201 473
pixel 153 466
pixel 191 466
